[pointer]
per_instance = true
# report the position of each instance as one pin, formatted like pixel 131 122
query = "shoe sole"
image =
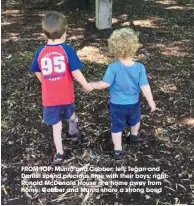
pixel 60 162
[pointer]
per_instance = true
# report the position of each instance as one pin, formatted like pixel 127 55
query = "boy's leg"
pixel 69 114
pixel 73 121
pixel 135 129
pixel 57 129
pixel 60 155
pixel 133 120
pixel 118 123
pixel 134 136
pixel 52 117
pixel 117 141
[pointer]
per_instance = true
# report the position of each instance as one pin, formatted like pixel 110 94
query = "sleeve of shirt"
pixel 143 77
pixel 34 66
pixel 109 75
pixel 73 58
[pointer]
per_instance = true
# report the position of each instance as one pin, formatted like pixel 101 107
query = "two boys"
pixel 56 64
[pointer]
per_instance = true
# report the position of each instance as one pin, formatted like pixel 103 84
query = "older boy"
pixel 126 78
pixel 55 64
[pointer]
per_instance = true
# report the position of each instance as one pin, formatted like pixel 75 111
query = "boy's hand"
pixel 88 88
pixel 152 104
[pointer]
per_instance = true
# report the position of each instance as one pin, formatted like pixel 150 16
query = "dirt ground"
pixel 166 33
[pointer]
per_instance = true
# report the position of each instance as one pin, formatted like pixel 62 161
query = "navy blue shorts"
pixel 54 114
pixel 124 115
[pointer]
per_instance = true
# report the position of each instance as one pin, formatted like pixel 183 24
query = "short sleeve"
pixel 109 75
pixel 143 77
pixel 34 66
pixel 73 59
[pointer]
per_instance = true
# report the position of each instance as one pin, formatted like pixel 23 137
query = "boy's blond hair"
pixel 123 43
pixel 54 25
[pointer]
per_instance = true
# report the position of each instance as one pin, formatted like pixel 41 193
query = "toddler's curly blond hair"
pixel 123 43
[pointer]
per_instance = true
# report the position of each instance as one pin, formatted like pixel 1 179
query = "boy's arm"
pixel 148 95
pixel 145 87
pixel 75 66
pixel 99 85
pixel 79 77
pixel 35 67
pixel 39 76
pixel 107 79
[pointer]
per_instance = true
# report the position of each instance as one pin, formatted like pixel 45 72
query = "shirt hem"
pixel 57 104
pixel 125 103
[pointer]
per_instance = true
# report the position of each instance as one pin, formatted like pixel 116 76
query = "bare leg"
pixel 134 137
pixel 73 125
pixel 135 129
pixel 57 129
pixel 117 138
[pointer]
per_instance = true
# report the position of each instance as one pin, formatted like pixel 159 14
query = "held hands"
pixel 88 88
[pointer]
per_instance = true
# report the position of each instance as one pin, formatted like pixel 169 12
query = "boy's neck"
pixel 56 41
pixel 127 61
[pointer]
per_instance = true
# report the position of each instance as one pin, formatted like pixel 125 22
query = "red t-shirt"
pixel 56 62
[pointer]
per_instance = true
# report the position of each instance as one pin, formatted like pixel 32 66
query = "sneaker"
pixel 133 141
pixel 58 159
pixel 118 154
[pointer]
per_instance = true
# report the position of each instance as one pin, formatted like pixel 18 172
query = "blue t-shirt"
pixel 125 82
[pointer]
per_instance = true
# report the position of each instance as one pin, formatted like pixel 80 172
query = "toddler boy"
pixel 126 78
